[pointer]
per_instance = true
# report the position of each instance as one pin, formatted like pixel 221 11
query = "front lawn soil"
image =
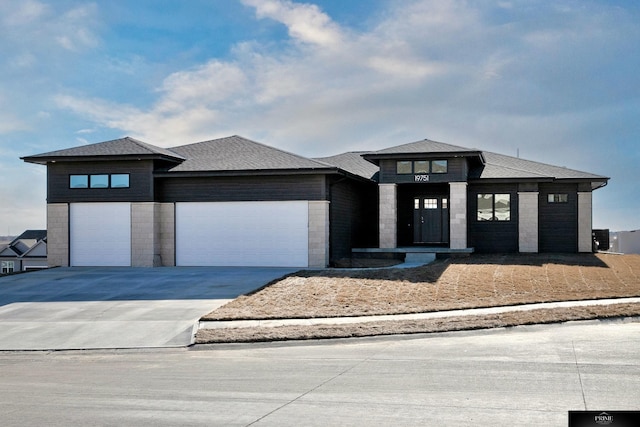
pixel 455 283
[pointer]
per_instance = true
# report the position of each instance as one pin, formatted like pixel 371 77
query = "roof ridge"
pixel 284 151
pixel 269 147
pixel 153 148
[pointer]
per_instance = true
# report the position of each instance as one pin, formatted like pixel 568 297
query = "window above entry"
pixel 406 167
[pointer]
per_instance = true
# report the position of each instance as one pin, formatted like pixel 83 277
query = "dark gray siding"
pixel 558 222
pixel 353 215
pixel 456 171
pixel 140 181
pixel 492 236
pixel 247 188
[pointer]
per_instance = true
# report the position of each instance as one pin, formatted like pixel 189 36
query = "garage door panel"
pixel 242 234
pixel 100 234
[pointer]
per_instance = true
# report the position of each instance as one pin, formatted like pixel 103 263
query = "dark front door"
pixel 430 219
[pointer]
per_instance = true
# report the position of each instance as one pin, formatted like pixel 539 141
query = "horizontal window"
pixel 120 180
pixel 116 180
pixel 99 181
pixel 439 166
pixel 79 181
pixel 494 207
pixel 558 198
pixel 404 167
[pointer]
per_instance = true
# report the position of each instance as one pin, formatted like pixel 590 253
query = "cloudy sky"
pixel 557 82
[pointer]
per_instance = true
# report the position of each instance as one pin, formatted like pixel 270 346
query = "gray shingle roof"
pixel 236 153
pixel 352 162
pixel 118 147
pixel 424 146
pixel 501 166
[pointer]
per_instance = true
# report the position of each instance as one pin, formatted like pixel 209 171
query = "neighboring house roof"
pixel 352 162
pixel 8 252
pixel 25 243
pixel 32 235
pixel 236 153
pixel 123 147
pixel 39 250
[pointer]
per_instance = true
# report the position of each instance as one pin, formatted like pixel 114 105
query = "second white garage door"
pixel 268 234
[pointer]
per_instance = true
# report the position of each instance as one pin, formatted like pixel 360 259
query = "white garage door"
pixel 268 234
pixel 100 234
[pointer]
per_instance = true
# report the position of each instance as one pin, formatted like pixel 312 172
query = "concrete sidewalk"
pixel 270 323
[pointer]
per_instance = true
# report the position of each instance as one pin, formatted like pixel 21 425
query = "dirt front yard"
pixel 455 283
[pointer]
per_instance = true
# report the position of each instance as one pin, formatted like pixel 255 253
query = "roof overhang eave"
pixel 248 172
pixel 375 158
pixel 106 158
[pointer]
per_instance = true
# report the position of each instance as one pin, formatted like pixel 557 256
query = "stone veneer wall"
pixel 585 225
pixel 388 216
pixel 528 221
pixel 166 222
pixel 58 234
pixel 144 235
pixel 458 215
pixel 318 234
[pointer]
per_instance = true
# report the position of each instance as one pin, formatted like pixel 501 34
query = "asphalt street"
pixel 519 376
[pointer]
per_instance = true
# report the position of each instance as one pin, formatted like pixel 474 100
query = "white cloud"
pixel 33 28
pixel 444 70
pixel 305 22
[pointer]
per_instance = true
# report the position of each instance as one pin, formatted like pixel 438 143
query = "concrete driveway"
pixel 90 308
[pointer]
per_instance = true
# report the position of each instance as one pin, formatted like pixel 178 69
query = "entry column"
pixel 388 215
pixel 458 215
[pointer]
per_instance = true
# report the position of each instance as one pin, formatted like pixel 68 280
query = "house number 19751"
pixel 421 178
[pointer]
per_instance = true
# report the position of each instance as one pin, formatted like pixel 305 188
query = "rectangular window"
pixel 404 167
pixel 439 166
pixel 558 198
pixel 120 180
pixel 6 267
pixel 78 181
pixel 431 203
pixel 99 181
pixel 494 207
pixel 421 166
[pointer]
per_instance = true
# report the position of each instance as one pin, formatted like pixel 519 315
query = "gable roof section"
pixel 354 163
pixel 123 147
pixel 236 153
pixel 9 252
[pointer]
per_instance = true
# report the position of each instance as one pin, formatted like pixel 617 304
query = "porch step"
pixel 420 257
